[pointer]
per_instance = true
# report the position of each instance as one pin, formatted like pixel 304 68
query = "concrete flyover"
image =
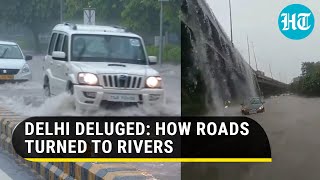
pixel 269 86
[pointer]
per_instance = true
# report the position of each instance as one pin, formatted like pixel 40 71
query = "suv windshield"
pixel 106 48
pixel 10 52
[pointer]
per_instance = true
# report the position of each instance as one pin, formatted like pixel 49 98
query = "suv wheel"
pixel 70 89
pixel 46 87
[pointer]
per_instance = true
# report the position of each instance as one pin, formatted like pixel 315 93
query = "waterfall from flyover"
pixel 211 62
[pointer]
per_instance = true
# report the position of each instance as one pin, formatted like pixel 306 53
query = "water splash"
pixel 28 99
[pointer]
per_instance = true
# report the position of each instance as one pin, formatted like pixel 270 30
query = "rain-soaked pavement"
pixel 292 124
pixel 9 170
pixel 28 99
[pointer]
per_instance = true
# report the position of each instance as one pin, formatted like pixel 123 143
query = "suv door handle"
pixel 59 65
pixel 51 62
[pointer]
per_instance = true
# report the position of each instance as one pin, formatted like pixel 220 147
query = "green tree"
pixel 37 15
pixel 138 15
pixel 107 11
pixel 309 81
pixel 143 15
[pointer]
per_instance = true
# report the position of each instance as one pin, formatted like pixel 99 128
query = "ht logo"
pixel 302 22
pixel 296 21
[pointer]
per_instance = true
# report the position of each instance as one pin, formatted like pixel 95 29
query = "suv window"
pixel 65 47
pixel 59 43
pixel 107 48
pixel 52 43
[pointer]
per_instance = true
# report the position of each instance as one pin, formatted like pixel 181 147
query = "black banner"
pixel 140 137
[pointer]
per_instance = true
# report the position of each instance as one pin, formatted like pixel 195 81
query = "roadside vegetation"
pixel 308 83
pixel 171 53
pixel 138 16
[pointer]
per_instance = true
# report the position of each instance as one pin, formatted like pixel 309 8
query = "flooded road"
pixel 292 124
pixel 28 99
pixel 9 170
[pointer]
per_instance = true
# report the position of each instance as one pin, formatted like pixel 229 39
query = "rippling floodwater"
pixel 27 99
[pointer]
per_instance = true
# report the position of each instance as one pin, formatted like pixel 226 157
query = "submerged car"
pixel 252 106
pixel 13 65
pixel 227 104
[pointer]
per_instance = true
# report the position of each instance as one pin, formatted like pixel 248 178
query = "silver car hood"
pixel 12 63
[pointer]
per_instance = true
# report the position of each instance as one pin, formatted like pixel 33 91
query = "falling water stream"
pixel 213 71
pixel 224 72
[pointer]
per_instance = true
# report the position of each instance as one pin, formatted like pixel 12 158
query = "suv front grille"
pixel 9 71
pixel 122 81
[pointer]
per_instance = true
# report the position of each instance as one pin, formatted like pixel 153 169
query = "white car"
pixel 101 66
pixel 13 65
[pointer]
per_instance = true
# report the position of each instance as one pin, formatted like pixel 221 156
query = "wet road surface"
pixel 292 124
pixel 9 170
pixel 28 99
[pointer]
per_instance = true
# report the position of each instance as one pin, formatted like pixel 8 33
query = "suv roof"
pixel 93 29
pixel 7 43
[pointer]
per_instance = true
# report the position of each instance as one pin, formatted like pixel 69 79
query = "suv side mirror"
pixel 28 58
pixel 153 60
pixel 59 55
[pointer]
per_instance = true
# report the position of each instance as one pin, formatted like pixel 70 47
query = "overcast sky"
pixel 259 20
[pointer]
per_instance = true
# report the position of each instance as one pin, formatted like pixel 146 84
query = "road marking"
pixel 153 160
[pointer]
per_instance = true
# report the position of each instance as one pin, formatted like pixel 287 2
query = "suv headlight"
pixel 88 79
pixel 153 82
pixel 25 69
